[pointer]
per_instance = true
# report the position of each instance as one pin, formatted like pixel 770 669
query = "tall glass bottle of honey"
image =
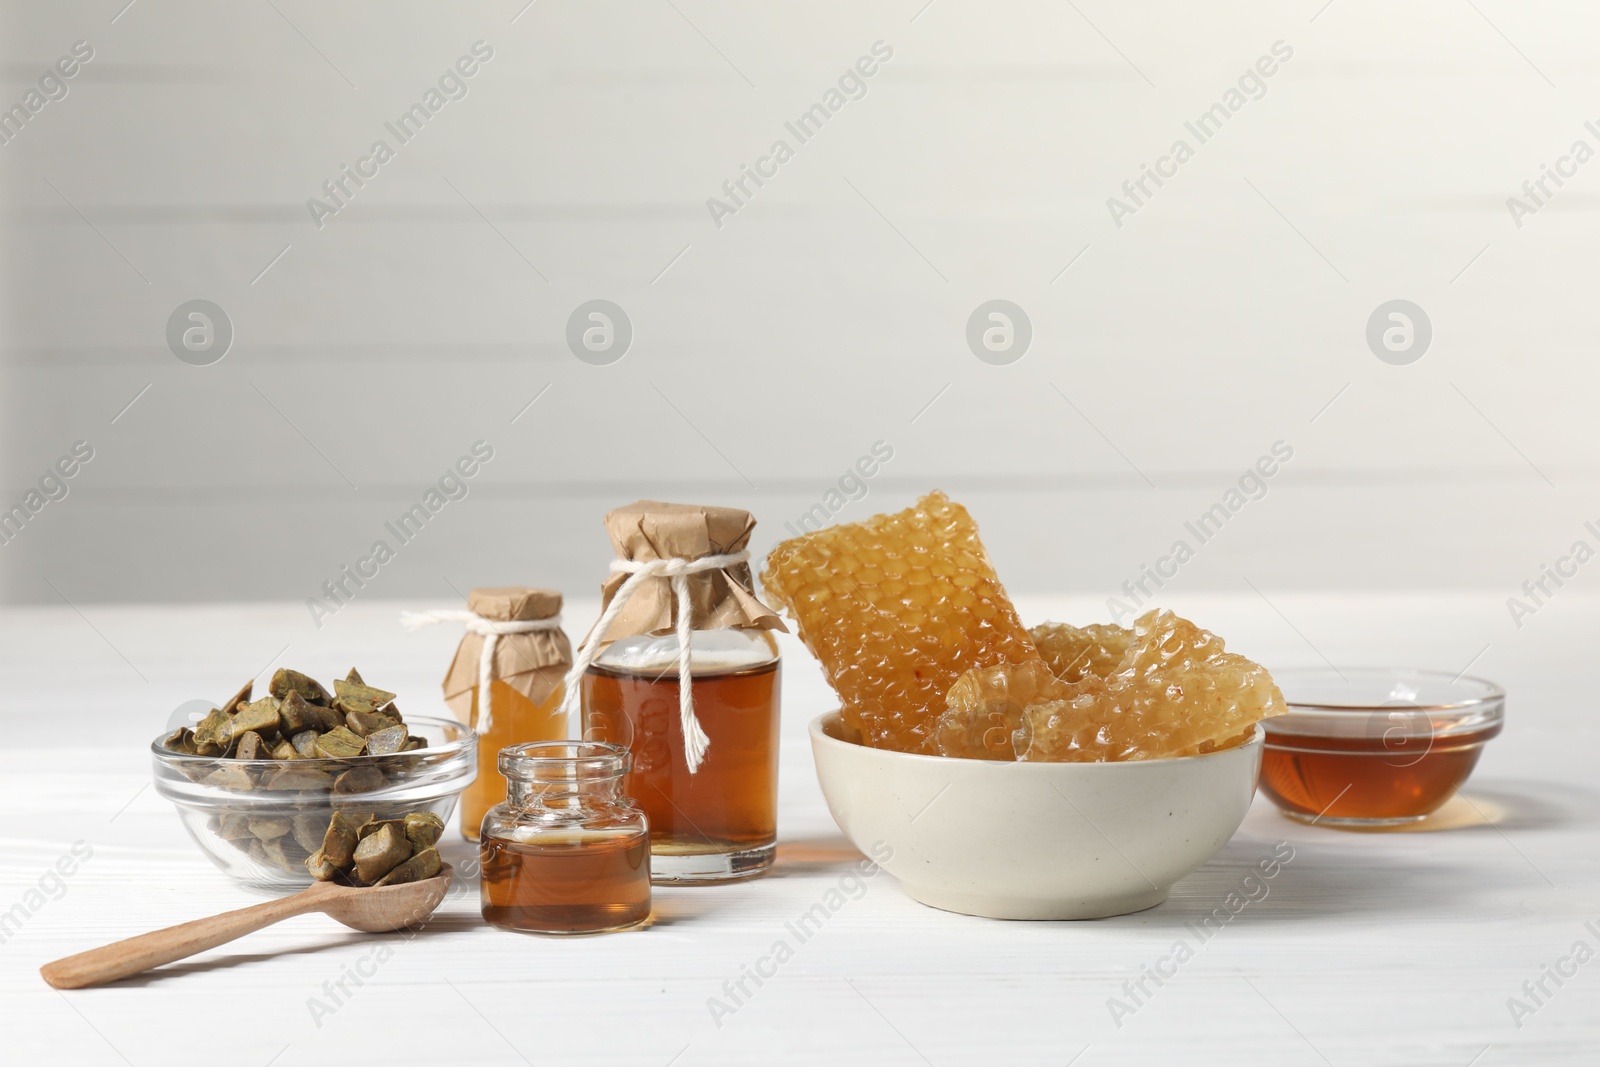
pixel 682 669
pixel 506 681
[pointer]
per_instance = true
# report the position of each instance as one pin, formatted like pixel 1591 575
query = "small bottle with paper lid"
pixel 683 670
pixel 506 680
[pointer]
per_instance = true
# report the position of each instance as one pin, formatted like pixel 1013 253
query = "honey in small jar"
pixel 567 852
pixel 1367 748
pixel 1366 781
pixel 505 680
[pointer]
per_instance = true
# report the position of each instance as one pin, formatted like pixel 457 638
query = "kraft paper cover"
pixel 532 663
pixel 720 599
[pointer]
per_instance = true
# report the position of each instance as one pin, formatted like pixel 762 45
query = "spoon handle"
pixel 135 955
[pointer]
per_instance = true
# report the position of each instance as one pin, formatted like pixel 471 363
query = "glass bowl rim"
pixel 468 739
pixel 1491 693
pixel 1482 712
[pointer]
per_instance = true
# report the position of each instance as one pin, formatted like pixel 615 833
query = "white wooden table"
pixel 1368 949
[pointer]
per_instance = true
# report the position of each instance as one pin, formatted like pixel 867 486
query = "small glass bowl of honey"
pixel 567 853
pixel 1368 748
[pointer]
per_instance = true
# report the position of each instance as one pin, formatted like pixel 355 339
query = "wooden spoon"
pixel 373 910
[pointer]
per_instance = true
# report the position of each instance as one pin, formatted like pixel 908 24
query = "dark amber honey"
pixel 1372 779
pixel 730 804
pixel 577 882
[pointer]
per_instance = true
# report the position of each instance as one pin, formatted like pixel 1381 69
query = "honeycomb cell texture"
pixel 896 608
pixel 1073 652
pixel 1177 692
pixel 985 708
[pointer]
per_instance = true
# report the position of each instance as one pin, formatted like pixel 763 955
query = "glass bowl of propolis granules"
pixel 257 781
pixel 1368 748
pixel 1051 772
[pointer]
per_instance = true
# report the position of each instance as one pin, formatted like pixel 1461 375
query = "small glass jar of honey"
pixel 1375 747
pixel 567 852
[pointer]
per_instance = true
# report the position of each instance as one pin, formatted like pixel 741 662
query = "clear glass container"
pixel 220 798
pixel 1376 747
pixel 720 823
pixel 567 853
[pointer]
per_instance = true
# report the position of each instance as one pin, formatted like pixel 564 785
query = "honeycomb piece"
pixel 897 608
pixel 1177 692
pixel 984 708
pixel 1072 652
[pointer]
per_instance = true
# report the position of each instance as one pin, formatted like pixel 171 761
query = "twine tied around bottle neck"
pixel 490 630
pixel 677 570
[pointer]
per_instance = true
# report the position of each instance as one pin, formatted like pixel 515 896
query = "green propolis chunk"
pixel 340 743
pixel 305 743
pixel 386 741
pixel 355 677
pixel 354 696
pixel 424 864
pixel 297 778
pixel 286 681
pixel 392 710
pixel 339 840
pixel 231 705
pixel 230 776
pixel 414 743
pixel 379 853
pixel 267 827
pixel 423 829
pixel 251 747
pixel 367 722
pixel 296 714
pixel 214 729
pixel 375 852
pixel 260 716
pixel 234 827
pixel 284 750
pixel 372 826
pixel 283 853
pixel 181 740
pixel 359 780
pixel 327 718
pixel 321 868
pixel 308 831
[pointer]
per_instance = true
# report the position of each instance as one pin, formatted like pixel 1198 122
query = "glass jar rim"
pixel 1350 703
pixel 564 761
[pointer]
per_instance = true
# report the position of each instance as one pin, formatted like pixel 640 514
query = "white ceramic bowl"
pixel 1034 840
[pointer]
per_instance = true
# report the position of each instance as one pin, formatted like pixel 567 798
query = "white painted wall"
pixel 825 315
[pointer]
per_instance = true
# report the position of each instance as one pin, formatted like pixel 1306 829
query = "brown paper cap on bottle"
pixel 514 603
pixel 721 599
pixel 532 663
